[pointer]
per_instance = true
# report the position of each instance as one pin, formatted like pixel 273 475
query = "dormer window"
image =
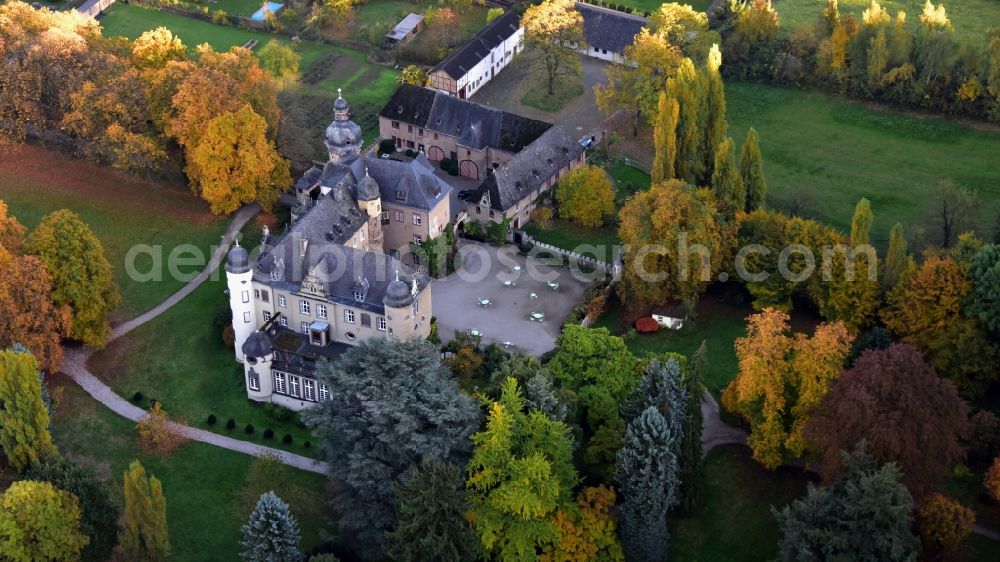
pixel 359 296
pixel 400 195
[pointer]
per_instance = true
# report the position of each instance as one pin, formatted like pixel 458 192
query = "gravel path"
pixel 714 431
pixel 75 366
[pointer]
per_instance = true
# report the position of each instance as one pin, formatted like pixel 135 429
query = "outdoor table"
pixel 537 316
pixel 484 302
pixel 517 268
pixel 474 333
pixel 508 283
pixel 533 296
pixel 553 285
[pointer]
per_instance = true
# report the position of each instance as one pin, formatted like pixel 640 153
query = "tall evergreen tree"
pixel 715 128
pixel 431 525
pixel 861 223
pixel 665 139
pixel 24 418
pixel 752 171
pixel 896 258
pixel 540 395
pixel 726 180
pixel 685 88
pixel 144 534
pixel 662 387
pixel 984 302
pixel 371 451
pixel 272 533
pixel 690 458
pixel 864 515
pixel 647 482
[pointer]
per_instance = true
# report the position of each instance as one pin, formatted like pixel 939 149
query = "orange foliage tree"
pixel 992 480
pixel 945 523
pixel 27 313
pixel 587 531
pixel 155 432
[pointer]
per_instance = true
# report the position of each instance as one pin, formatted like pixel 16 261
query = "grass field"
pixel 734 521
pixel 970 18
pixel 827 153
pixel 538 96
pixel 651 5
pixel 202 483
pixel 121 209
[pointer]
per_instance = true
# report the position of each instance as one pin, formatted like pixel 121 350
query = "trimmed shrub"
pixel 287 439
pixel 211 419
pixel 307 444
pixel 279 413
pixel 410 153
pixel 386 147
pixel 269 433
pixel 230 423
pixel 137 397
pixel 248 429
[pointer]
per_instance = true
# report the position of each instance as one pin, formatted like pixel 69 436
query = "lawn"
pixel 122 210
pixel 652 5
pixel 734 521
pixel 391 11
pixel 131 21
pixel 971 18
pixel 202 483
pixel 825 153
pixel 538 95
pixel 180 360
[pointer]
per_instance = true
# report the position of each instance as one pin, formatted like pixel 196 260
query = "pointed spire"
pixel 340 94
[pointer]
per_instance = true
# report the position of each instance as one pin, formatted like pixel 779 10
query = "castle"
pixel 337 275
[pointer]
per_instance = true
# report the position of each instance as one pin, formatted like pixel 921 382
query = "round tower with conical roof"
pixel 239 279
pixel 369 198
pixel 398 302
pixel 343 136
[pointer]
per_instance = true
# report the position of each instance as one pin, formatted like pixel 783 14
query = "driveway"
pixel 578 117
pixel 507 318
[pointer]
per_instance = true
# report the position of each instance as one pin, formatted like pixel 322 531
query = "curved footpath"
pixel 75 365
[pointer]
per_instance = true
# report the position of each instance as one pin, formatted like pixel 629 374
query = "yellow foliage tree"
pixel 992 480
pixel 549 28
pixel 24 418
pixel 144 533
pixel 234 163
pixel 781 380
pixel 155 433
pixel 40 523
pixel 945 523
pixel 156 47
pixel 587 531
pixel 586 195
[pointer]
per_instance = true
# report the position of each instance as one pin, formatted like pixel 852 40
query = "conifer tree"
pixel 861 223
pixel 540 395
pixel 690 458
pixel 431 525
pixel 726 181
pixel 24 418
pixel 752 171
pixel 662 388
pixel 665 139
pixel 647 482
pixel 715 128
pixel 896 258
pixel 144 534
pixel 272 533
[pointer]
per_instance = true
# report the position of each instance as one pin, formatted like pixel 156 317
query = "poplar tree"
pixel 24 418
pixel 715 109
pixel 647 482
pixel 144 534
pixel 272 533
pixel 690 162
pixel 665 139
pixel 726 181
pixel 861 223
pixel 752 171
pixel 896 258
pixel 691 451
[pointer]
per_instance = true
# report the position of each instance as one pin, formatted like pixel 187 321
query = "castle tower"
pixel 370 200
pixel 239 279
pixel 259 352
pixel 343 136
pixel 398 302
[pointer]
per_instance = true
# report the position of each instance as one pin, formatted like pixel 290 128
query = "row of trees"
pixel 132 105
pixel 879 56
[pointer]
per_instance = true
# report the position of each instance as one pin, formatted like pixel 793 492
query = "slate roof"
pixel 466 57
pixel 475 125
pixel 404 27
pixel 609 29
pixel 530 168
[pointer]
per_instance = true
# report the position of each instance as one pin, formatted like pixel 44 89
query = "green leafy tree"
pixel 687 87
pixel 280 61
pixel 586 195
pixel 897 261
pixel 636 85
pixel 493 14
pixel 371 453
pixel 861 223
pixel 866 501
pixel 272 533
pixel 414 75
pixel 521 471
pixel 144 533
pixel 647 479
pixel 984 302
pixel 99 514
pixel 691 451
pixel 431 525
pixel 81 275
pixel 665 139
pixel 726 181
pixel 752 171
pixel 715 127
pixel 24 418
pixel 40 523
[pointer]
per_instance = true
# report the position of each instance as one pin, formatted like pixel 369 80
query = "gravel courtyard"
pixel 508 316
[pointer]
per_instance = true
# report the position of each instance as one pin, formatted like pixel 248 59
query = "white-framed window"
pixel 281 301
pixel 320 311
pixel 304 306
pixel 246 317
pixel 417 219
pixel 293 386
pixel 305 327
pixel 283 321
pixel 253 381
pixel 349 316
pixel 279 382
pixel 399 216
pixel 324 392
pixel 256 294
pixel 380 323
pixel 246 296
pixel 267 316
pixel 417 239
pixel 309 386
pixel 359 296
